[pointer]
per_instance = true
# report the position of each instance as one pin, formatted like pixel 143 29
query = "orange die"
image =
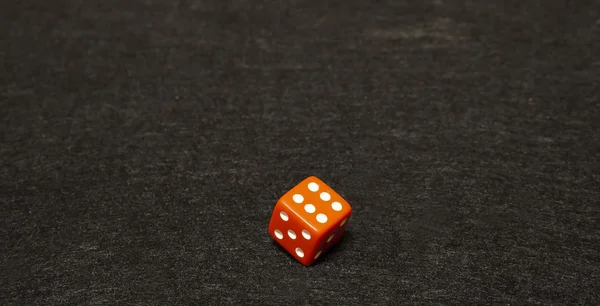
pixel 309 219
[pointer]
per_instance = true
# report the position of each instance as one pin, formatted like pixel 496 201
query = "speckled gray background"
pixel 143 145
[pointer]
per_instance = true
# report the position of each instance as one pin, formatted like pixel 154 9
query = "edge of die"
pixel 305 179
pixel 319 180
pixel 316 178
pixel 309 262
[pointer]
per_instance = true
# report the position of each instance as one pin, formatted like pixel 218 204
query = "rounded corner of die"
pixel 281 203
pixel 349 210
pixel 305 261
pixel 312 178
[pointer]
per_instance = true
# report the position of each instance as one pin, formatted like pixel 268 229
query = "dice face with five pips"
pixel 309 219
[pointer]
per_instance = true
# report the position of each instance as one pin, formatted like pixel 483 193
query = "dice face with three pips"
pixel 309 219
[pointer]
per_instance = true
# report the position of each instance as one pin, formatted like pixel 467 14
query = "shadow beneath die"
pixel 282 250
pixel 337 250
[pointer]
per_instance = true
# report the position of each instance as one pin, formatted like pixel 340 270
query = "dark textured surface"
pixel 143 145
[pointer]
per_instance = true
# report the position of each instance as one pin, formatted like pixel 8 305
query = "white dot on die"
pixel 318 254
pixel 306 234
pixel 298 198
pixel 313 187
pixel 337 206
pixel 322 218
pixel 278 234
pixel 325 196
pixel 330 237
pixel 292 234
pixel 299 252
pixel 343 222
pixel 309 208
pixel 284 216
